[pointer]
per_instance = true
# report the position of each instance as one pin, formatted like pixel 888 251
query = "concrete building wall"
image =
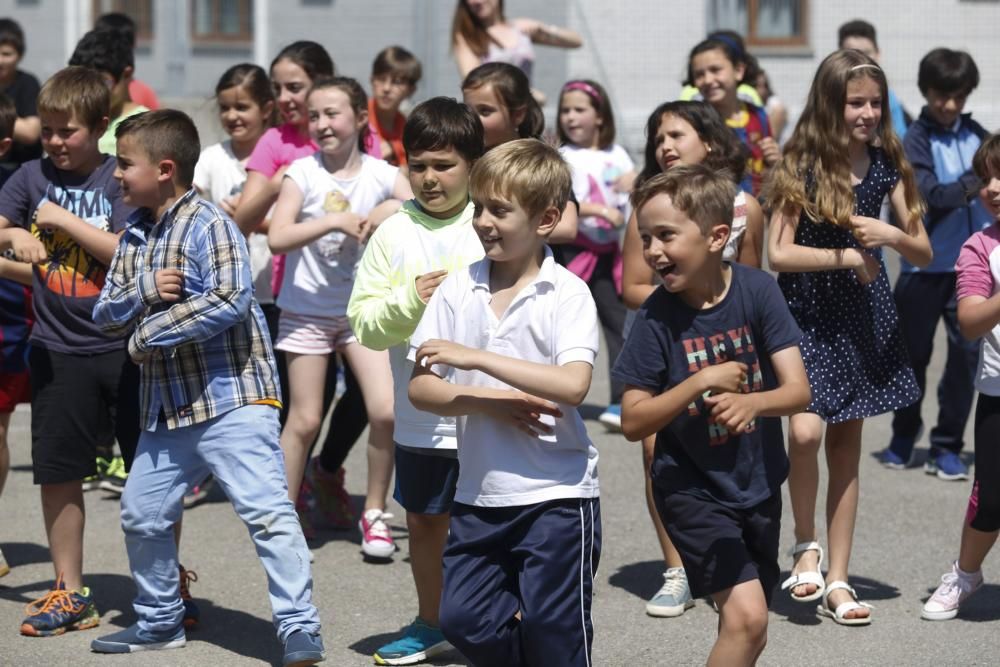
pixel 637 48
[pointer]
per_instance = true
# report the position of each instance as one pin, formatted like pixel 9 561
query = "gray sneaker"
pixel 673 598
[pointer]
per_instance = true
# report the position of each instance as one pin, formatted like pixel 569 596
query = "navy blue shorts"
pixel 425 483
pixel 720 546
pixel 538 560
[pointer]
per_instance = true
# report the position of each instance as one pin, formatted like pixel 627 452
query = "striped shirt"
pixel 207 353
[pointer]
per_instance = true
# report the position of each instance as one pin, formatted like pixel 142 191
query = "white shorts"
pixel 307 334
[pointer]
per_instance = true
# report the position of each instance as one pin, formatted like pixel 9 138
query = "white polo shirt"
pixel 551 321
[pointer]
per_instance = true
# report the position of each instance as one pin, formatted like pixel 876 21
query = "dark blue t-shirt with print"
pixel 669 342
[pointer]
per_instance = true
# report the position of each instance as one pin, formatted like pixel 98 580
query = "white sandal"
pixel 839 614
pixel 814 577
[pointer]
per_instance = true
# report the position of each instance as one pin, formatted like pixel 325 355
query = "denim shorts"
pixel 425 483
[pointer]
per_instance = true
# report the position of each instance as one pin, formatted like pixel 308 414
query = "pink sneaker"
pixel 331 504
pixel 376 540
pixel 956 586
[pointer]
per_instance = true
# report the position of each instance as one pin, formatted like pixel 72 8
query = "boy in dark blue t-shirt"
pixel 710 365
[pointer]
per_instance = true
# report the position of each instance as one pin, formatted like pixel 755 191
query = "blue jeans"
pixel 240 449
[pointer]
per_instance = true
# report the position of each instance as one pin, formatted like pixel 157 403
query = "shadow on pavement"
pixel 640 579
pixel 24 553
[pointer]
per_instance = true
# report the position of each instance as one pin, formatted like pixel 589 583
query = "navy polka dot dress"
pixel 851 345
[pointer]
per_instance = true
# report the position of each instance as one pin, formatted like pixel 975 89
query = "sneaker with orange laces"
pixel 191 612
pixel 59 611
pixel 331 504
pixel 376 540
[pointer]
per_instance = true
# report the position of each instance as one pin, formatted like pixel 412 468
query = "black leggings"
pixel 984 504
pixel 349 417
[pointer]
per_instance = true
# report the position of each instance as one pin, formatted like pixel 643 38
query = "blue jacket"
pixel 942 161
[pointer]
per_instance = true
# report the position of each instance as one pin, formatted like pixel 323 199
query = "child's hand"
pixel 428 283
pixel 50 216
pixel 725 377
pixel 872 232
pixel 614 216
pixel 736 412
pixel 869 268
pixel 169 284
pixel 772 153
pixel 523 411
pixel 351 224
pixel 437 351
pixel 27 248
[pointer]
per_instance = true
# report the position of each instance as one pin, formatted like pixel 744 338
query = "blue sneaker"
pixel 60 610
pixel 419 642
pixel 612 417
pixel 133 639
pixel 901 452
pixel 303 649
pixel 946 465
pixel 673 598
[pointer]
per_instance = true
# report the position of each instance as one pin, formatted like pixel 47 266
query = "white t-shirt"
pixel 318 277
pixel 594 174
pixel 220 175
pixel 551 321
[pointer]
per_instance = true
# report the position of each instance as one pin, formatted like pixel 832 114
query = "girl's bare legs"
pixel 371 368
pixel 843 454
pixel 976 544
pixel 306 376
pixel 4 452
pixel 805 432
pixel 670 555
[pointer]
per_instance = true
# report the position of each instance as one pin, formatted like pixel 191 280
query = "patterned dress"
pixel 852 345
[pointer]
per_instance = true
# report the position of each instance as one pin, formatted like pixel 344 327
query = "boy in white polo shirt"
pixel 508 346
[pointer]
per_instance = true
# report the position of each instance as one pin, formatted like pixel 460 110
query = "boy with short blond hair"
pixel 404 262
pixel 507 346
pixel 395 74
pixel 62 214
pixel 180 283
pixel 711 362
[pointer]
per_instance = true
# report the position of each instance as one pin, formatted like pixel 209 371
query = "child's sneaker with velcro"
pixel 134 639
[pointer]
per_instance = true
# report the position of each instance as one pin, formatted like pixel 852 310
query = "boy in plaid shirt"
pixel 209 390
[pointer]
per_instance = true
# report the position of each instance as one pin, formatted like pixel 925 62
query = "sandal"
pixel 838 615
pixel 814 577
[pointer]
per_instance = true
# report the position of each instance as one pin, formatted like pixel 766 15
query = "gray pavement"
pixel 907 534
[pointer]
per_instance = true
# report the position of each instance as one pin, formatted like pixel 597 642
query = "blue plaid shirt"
pixel 207 353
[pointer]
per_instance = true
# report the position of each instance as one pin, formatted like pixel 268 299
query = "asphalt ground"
pixel 907 534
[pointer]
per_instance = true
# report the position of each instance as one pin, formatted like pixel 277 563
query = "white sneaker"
pixel 956 586
pixel 376 540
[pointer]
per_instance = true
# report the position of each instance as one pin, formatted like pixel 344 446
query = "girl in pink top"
pixel 978 291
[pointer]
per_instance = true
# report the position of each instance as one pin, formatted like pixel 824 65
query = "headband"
pixel 585 88
pixel 729 41
pixel 866 65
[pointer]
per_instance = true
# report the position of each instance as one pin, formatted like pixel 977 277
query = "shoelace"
pixel 955 582
pixel 116 468
pixel 54 600
pixel 377 526
pixel 673 584
pixel 187 576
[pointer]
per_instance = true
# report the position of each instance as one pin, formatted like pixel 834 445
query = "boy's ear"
pixel 548 221
pixel 165 171
pixel 362 117
pixel 5 145
pixel 127 73
pixel 102 126
pixel 741 70
pixel 718 235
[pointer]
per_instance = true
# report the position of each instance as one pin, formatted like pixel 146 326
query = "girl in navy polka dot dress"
pixel 826 240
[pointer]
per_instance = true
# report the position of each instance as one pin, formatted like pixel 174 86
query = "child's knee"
pixel 304 424
pixel 804 437
pixel 749 622
pixel 380 419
